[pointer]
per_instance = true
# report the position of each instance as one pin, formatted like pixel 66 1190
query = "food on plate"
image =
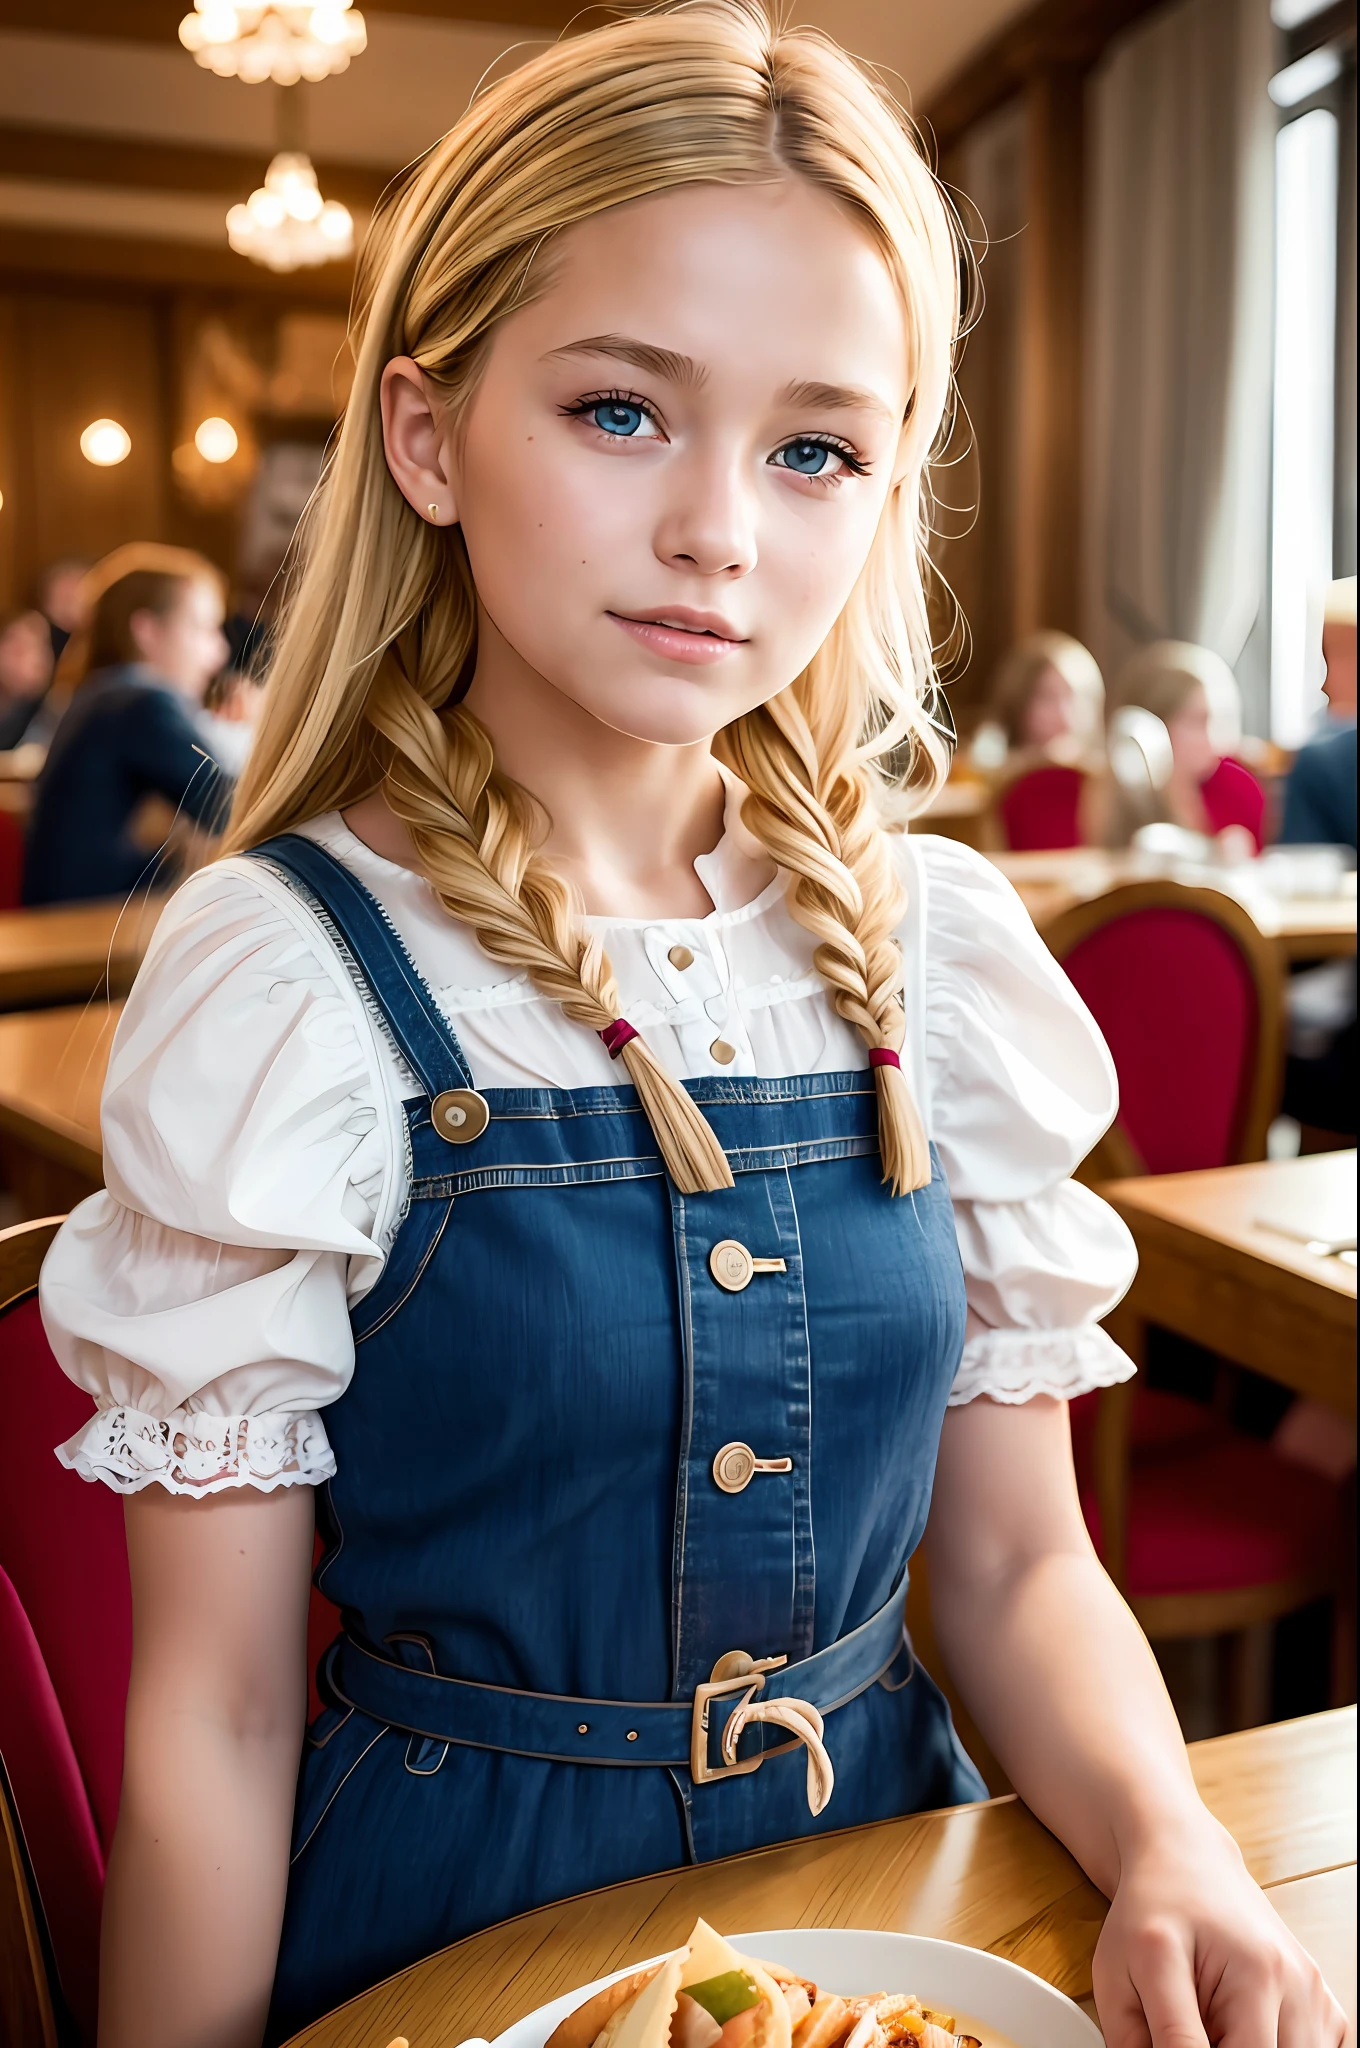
pixel 706 1995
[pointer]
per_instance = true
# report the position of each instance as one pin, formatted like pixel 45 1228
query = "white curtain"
pixel 1179 276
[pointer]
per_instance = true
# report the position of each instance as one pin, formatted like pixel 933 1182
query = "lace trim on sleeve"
pixel 1014 1365
pixel 199 1453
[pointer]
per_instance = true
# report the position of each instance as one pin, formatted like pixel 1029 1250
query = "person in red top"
pixel 1194 694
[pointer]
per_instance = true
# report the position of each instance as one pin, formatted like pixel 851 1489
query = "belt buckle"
pixel 735 1672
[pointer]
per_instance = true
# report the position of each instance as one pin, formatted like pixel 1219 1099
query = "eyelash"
pixel 855 464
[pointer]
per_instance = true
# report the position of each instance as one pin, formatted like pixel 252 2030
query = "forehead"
pixel 762 285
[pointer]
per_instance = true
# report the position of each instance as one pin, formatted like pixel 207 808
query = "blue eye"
pixel 808 458
pixel 616 416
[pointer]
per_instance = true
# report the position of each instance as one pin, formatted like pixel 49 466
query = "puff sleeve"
pixel 1021 1086
pixel 250 1142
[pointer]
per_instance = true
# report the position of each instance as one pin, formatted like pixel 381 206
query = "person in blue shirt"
pixel 1319 805
pixel 152 644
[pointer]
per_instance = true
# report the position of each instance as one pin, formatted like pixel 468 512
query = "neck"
pixel 628 816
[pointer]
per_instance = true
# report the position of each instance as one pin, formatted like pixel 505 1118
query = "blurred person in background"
pixel 1319 804
pixel 1193 693
pixel 138 670
pixel 1048 697
pixel 1043 741
pixel 26 665
pixel 59 599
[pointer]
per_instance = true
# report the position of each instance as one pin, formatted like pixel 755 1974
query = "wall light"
pixel 216 439
pixel 105 443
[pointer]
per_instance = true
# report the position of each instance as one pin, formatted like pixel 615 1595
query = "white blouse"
pixel 255 1157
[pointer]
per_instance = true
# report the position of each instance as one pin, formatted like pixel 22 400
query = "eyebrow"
pixel 835 398
pixel 643 355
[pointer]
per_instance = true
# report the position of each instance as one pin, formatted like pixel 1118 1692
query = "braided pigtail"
pixel 820 823
pixel 475 833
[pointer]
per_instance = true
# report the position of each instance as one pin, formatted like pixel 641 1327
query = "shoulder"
pixel 245 1070
pixel 1022 1084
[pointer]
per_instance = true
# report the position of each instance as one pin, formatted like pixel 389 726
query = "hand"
pixel 1193 1953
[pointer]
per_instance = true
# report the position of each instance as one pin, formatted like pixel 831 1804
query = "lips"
pixel 699 639
pixel 684 619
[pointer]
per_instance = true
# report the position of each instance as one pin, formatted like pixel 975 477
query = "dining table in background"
pixel 1212 1268
pixel 1303 927
pixel 73 950
pixel 987 1875
pixel 52 1065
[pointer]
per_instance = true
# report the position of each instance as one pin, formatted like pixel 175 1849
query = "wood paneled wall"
pixel 65 360
pixel 71 353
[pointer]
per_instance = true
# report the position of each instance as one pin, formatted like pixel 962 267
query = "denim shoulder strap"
pixel 368 943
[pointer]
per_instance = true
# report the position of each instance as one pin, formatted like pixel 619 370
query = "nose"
pixel 708 524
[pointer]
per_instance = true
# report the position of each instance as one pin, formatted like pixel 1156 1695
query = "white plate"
pixel 1030 2013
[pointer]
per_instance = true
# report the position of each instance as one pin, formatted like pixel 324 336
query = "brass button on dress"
pixel 722 1052
pixel 733 1267
pixel 681 957
pixel 460 1115
pixel 736 1465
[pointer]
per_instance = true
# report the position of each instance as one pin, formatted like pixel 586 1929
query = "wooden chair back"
pixel 1189 995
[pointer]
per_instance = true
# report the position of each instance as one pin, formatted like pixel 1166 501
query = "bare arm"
pixel 216 1711
pixel 1061 1681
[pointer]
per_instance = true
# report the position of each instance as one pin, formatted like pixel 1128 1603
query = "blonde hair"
pixel 1018 674
pixel 381 626
pixel 1162 677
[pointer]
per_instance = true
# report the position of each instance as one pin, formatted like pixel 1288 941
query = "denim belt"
pixel 669 1733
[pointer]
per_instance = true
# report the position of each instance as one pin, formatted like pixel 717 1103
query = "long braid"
pixel 817 820
pixel 475 833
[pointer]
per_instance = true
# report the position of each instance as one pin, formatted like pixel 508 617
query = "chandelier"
pixel 285 224
pixel 286 40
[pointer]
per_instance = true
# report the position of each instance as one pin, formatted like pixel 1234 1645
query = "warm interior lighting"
pixel 105 443
pixel 216 439
pixel 285 224
pixel 282 39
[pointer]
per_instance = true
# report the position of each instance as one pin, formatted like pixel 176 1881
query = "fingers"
pixel 1161 1970
pixel 1311 2018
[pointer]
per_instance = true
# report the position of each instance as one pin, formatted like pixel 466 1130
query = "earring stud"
pixel 433 511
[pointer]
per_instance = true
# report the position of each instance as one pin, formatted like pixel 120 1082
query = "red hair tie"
pixel 883 1056
pixel 616 1036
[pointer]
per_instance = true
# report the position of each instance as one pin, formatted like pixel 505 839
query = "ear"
pixel 414 441
pixel 142 633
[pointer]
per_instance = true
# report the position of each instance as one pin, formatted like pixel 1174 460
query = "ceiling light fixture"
pixel 216 439
pixel 105 443
pixel 285 224
pixel 280 39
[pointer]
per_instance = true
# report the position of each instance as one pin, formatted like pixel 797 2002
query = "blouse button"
pixel 722 1052
pixel 681 957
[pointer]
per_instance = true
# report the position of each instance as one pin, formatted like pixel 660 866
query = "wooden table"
pixel 959 810
pixel 74 951
pixel 1208 1270
pixel 987 1875
pixel 1304 928
pixel 52 1066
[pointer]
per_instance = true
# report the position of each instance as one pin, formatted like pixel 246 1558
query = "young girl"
pixel 542 1143
pixel 1194 693
pixel 127 739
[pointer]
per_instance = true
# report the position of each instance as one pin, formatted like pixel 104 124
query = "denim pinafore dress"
pixel 599 1436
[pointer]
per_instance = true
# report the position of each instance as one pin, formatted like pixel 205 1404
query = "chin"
pixel 663 713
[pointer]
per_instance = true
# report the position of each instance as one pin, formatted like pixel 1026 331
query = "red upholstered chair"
pixel 1041 810
pixel 11 860
pixel 1205 1531
pixel 65 1650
